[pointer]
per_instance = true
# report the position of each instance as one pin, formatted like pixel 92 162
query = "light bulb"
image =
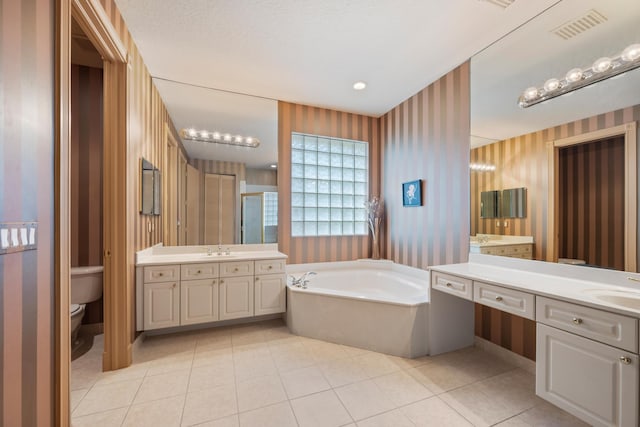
pixel 551 85
pixel 204 134
pixel 238 139
pixel 574 75
pixel 530 93
pixel 249 140
pixel 192 132
pixel 359 85
pixel 601 65
pixel 227 137
pixel 216 135
pixel 631 53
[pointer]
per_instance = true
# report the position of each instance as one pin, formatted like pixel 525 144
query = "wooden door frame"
pixel 94 21
pixel 169 188
pixel 629 132
pixel 182 198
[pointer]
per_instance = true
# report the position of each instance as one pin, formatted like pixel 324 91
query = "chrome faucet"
pixel 209 251
pixel 219 249
pixel 302 281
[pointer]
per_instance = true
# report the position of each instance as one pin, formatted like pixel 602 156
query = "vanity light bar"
pixel 482 167
pixel 576 78
pixel 219 138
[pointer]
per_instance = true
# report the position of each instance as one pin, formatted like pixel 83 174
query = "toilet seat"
pixel 75 308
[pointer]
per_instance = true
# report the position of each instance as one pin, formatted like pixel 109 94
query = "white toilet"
pixel 86 287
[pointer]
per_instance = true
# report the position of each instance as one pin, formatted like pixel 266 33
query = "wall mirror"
pixel 516 140
pixel 514 203
pixel 218 174
pixel 149 188
pixel 490 204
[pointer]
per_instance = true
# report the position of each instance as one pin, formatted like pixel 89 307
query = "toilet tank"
pixel 86 284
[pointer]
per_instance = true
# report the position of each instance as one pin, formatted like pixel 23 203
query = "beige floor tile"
pixel 342 371
pixel 393 418
pixel 209 405
pixel 164 412
pixel 76 396
pixel 288 357
pixel 496 399
pixel 543 415
pixel 440 377
pixel 376 364
pixel 278 415
pixel 433 412
pixel 109 396
pixel 171 363
pixel 254 367
pixel 210 376
pixel 364 399
pixel 135 371
pixel 231 421
pixel 355 351
pixel 322 409
pixel 401 388
pixel 85 378
pixel 404 363
pixel 216 342
pixel 111 418
pixel 207 356
pixel 325 351
pixel 305 381
pixel 258 392
pixel 162 386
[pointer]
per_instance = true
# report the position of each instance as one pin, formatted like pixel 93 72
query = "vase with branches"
pixel 375 210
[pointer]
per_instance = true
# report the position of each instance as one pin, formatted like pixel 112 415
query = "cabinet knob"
pixel 577 320
pixel 625 360
pixel 449 285
pixel 498 298
pixel 235 269
pixel 221 282
pixel 160 274
pixel 257 278
pixel 198 272
pixel 174 285
pixel 270 267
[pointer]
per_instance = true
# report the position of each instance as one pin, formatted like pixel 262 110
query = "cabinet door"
pixel 161 305
pixel 595 382
pixel 236 297
pixel 270 294
pixel 198 301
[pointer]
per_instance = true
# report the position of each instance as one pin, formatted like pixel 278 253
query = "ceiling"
pixel 304 51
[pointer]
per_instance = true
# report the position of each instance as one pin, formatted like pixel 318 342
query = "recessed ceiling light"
pixel 359 85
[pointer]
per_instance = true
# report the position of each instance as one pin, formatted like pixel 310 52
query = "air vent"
pixel 579 25
pixel 501 3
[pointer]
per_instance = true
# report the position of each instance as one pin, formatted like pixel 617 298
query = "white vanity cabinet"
pixel 594 380
pixel 270 287
pixel 161 290
pixel 195 293
pixel 236 289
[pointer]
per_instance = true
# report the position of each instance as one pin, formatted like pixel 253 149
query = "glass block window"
pixel 329 185
pixel 270 209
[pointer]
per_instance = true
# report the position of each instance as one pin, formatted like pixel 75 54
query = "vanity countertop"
pixel 499 240
pixel 571 283
pixel 158 255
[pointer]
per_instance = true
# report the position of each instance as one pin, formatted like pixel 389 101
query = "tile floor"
pixel 262 375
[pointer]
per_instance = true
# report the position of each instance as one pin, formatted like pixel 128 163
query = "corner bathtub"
pixel 375 305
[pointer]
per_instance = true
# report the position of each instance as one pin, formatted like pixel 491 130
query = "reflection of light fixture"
pixel 359 85
pixel 482 167
pixel 602 69
pixel 273 166
pixel 216 137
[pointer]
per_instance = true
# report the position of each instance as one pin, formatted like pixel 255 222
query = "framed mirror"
pixel 514 203
pixel 490 204
pixel 148 190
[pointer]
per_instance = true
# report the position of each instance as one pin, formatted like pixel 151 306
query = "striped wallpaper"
pixel 222 168
pixel 26 194
pixel 522 162
pixel 320 121
pixel 591 209
pixel 427 137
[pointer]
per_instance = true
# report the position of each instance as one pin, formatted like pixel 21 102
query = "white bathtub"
pixel 376 305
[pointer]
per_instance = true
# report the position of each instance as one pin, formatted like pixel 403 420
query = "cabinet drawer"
pixel 199 271
pixel 237 268
pixel 458 286
pixel 270 266
pixel 161 273
pixel 512 301
pixel 610 328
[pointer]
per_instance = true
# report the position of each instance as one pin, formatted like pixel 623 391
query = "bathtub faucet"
pixel 302 281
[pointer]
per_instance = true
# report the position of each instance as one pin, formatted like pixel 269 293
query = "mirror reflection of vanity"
pixel 222 182
pixel 575 154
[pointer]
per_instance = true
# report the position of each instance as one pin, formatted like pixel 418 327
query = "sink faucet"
pixel 209 251
pixel 219 249
pixel 302 281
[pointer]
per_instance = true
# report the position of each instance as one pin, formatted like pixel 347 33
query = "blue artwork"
pixel 412 193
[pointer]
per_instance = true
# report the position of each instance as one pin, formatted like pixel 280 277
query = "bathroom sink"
pixel 627 299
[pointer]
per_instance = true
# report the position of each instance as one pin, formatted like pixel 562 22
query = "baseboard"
pixel 220 323
pixel 506 355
